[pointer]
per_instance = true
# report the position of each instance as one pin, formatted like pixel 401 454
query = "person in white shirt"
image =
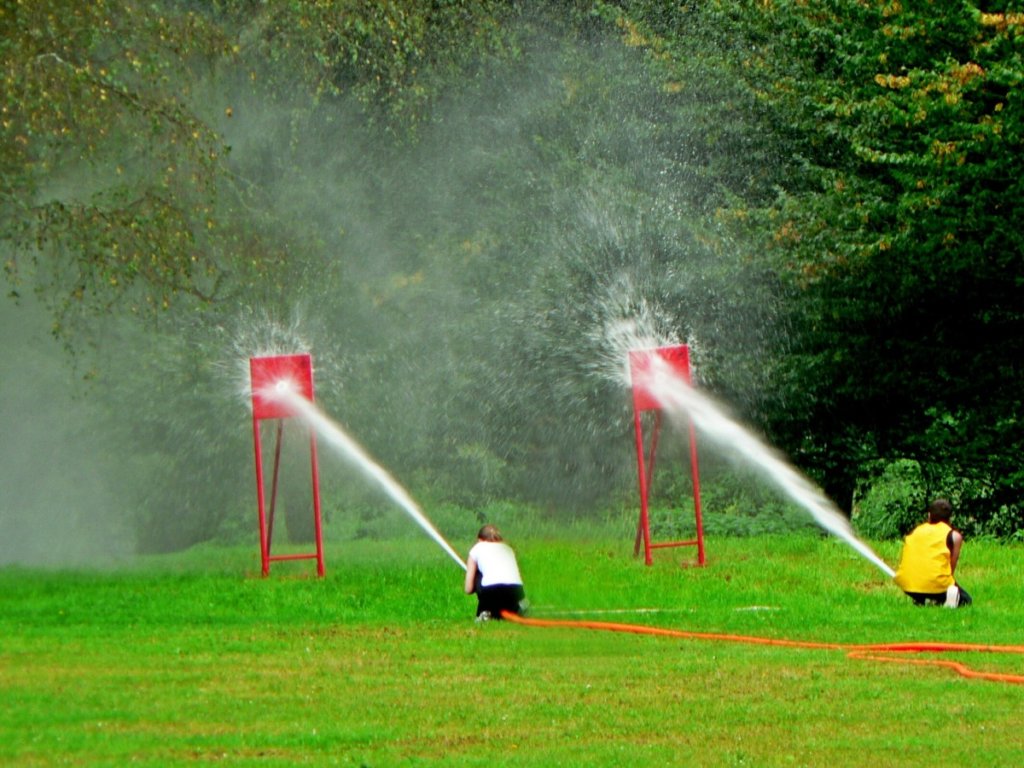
pixel 492 573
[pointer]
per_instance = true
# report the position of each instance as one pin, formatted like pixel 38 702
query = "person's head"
pixel 940 511
pixel 489 533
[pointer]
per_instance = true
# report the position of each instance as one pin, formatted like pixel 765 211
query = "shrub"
pixel 893 503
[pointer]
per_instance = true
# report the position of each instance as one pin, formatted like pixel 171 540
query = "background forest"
pixel 454 205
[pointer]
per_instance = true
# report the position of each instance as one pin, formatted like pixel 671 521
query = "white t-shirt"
pixel 496 563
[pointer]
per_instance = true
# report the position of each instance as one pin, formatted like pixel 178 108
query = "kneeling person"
pixel 928 561
pixel 493 574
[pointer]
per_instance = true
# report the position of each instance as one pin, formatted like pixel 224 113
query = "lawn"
pixel 194 657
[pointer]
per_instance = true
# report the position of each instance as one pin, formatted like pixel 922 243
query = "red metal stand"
pixel 678 358
pixel 265 374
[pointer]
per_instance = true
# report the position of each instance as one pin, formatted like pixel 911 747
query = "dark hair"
pixel 940 511
pixel 489 533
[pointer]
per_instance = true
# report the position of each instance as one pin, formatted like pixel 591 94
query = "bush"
pixel 893 503
pixel 731 505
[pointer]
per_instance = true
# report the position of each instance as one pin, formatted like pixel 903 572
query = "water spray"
pixel 285 393
pixel 681 400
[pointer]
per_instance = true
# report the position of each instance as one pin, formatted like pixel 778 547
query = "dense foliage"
pixel 107 175
pixel 894 226
pixel 453 201
pixel 904 249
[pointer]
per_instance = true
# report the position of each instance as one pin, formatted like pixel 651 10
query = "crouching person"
pixel 493 574
pixel 929 558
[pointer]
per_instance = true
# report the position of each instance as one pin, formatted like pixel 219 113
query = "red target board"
pixel 645 401
pixel 266 374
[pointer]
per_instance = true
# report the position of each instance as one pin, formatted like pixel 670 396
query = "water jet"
pixel 681 400
pixel 282 387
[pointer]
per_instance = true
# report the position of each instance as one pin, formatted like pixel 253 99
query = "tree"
pixel 892 141
pixel 109 178
pixel 901 241
pixel 119 195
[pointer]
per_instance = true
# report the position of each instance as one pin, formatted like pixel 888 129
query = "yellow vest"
pixel 924 564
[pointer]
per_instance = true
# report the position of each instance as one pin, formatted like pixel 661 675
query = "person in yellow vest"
pixel 928 561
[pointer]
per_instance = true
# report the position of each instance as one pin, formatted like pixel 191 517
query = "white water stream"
pixel 349 449
pixel 679 400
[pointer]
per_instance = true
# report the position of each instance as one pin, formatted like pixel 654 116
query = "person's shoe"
pixel 953 596
pixel 484 616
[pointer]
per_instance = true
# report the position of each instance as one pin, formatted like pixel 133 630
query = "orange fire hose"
pixel 871 652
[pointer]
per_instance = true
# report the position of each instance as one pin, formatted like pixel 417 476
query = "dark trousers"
pixel 499 597
pixel 938 598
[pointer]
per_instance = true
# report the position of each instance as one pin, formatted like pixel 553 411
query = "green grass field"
pixel 195 658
